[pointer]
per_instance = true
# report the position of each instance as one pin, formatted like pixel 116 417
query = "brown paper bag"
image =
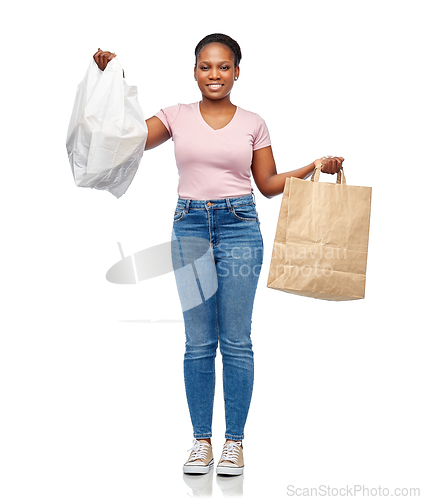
pixel 321 240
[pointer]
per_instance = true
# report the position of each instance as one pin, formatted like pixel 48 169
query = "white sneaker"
pixel 201 458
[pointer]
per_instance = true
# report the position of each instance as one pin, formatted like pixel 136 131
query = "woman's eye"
pixel 204 68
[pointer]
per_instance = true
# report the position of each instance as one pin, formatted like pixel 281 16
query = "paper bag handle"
pixel 340 176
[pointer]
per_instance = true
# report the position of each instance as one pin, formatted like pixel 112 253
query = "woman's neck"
pixel 220 106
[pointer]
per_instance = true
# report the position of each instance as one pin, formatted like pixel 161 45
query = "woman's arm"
pixel 271 183
pixel 157 133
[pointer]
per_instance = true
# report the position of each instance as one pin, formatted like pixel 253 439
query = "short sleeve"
pixel 261 137
pixel 167 116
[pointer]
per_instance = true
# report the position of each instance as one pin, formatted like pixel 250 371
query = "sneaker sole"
pixel 230 471
pixel 197 469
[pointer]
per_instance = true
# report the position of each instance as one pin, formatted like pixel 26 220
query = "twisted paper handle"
pixel 340 176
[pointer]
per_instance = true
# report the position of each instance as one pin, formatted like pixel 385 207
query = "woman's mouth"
pixel 215 86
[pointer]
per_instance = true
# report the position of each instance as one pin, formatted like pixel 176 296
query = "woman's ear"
pixel 237 72
pixel 195 73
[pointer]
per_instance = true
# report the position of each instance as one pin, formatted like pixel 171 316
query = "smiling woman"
pixel 218 146
pixel 216 68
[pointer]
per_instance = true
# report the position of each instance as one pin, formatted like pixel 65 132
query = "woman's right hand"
pixel 102 58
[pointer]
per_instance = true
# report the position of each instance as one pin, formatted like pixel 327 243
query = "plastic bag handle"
pixel 340 176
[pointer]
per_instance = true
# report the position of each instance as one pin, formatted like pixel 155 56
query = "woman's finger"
pixel 96 56
pixel 105 59
pixel 338 164
pixel 101 61
pixel 325 165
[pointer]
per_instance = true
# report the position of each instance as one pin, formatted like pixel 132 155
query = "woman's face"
pixel 215 71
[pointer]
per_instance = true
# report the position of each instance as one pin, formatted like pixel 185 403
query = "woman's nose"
pixel 214 74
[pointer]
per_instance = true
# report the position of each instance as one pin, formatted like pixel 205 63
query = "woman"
pixel 217 146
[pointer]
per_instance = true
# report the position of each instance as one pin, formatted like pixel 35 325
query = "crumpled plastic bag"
pixel 107 132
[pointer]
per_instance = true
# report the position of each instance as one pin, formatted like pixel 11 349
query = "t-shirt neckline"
pixel 216 129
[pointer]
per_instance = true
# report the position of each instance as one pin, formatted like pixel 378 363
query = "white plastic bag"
pixel 107 131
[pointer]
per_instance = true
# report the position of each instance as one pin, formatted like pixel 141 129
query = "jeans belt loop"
pixel 187 206
pixel 229 204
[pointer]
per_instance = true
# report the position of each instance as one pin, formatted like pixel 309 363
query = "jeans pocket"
pixel 245 212
pixel 178 215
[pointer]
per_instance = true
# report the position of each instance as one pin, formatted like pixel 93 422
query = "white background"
pixel 92 395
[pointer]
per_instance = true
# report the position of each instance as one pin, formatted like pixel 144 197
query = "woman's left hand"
pixel 330 164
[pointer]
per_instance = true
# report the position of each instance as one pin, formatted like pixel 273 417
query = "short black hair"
pixel 220 38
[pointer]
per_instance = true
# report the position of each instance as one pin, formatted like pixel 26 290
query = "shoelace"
pixel 231 452
pixel 200 450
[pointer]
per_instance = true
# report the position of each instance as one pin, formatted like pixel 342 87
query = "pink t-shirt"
pixel 212 163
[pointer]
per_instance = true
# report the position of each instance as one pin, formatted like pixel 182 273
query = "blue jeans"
pixel 231 229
